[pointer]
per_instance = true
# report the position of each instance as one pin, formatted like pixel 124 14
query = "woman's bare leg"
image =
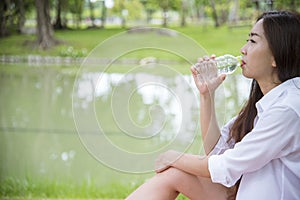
pixel 168 184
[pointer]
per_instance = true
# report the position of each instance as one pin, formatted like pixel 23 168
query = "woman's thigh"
pixel 192 186
pixel 168 184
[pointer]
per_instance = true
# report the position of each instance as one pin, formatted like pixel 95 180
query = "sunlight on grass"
pixel 215 40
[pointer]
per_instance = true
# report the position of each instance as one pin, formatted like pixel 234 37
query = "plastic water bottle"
pixel 227 64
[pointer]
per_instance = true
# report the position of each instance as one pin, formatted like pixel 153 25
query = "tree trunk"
pixel 234 13
pixel 293 5
pixel 257 5
pixel 184 11
pixel 21 16
pixel 91 5
pixel 165 17
pixel 103 15
pixel 198 12
pixel 4 5
pixel 58 22
pixel 150 15
pixel 215 15
pixel 45 39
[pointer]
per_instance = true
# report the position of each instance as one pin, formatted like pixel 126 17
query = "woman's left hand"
pixel 205 74
pixel 166 160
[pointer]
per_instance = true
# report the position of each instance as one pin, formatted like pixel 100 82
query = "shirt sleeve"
pixel 268 140
pixel 223 144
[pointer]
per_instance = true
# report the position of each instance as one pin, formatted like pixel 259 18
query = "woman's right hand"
pixel 205 74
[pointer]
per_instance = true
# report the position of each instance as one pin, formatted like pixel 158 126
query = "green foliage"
pixel 150 4
pixel 202 2
pixel 76 8
pixel 134 8
pixel 290 4
pixel 169 4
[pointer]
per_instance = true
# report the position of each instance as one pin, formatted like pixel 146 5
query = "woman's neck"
pixel 268 86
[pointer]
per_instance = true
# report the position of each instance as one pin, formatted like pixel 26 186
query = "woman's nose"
pixel 243 50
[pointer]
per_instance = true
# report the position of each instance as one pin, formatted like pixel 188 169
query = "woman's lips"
pixel 243 63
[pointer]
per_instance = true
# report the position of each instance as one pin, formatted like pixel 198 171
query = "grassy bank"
pixel 80 42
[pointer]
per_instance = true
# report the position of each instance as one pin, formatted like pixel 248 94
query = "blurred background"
pixel 43 45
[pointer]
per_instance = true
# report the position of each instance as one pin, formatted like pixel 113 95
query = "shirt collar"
pixel 272 96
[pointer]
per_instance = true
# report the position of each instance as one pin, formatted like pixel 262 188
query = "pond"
pixel 105 121
pixel 99 127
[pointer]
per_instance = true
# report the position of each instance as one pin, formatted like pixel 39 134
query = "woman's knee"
pixel 171 177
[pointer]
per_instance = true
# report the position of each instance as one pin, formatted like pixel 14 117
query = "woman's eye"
pixel 250 40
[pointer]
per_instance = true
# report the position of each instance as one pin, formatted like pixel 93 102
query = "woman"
pixel 258 151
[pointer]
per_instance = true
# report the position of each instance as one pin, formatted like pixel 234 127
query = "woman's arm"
pixel 192 164
pixel 210 130
pixel 207 81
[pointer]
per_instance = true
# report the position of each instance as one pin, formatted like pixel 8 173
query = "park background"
pixel 42 46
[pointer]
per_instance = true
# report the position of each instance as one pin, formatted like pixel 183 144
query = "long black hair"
pixel 282 31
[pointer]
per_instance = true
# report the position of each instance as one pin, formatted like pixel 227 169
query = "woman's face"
pixel 258 61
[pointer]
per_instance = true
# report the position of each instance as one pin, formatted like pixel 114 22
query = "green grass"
pixel 78 39
pixel 79 43
pixel 214 40
pixel 27 188
pixel 220 40
pixel 47 189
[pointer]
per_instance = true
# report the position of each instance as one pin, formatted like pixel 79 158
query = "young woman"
pixel 256 153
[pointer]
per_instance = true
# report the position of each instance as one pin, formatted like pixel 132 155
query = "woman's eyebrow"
pixel 254 34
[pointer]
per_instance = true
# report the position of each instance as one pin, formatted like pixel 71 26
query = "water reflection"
pixel 139 113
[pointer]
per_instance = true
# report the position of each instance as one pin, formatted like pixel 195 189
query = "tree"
pixel 103 14
pixel 127 10
pixel 214 13
pixel 4 15
pixel 13 15
pixel 60 6
pixel 234 12
pixel 184 10
pixel 167 5
pixel 290 4
pixel 45 39
pixel 150 6
pixel 92 16
pixel 76 8
pixel 21 15
pixel 199 6
pixel 164 5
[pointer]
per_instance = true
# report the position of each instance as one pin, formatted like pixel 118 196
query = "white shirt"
pixel 267 158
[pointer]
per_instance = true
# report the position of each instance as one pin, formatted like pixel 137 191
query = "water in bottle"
pixel 226 64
